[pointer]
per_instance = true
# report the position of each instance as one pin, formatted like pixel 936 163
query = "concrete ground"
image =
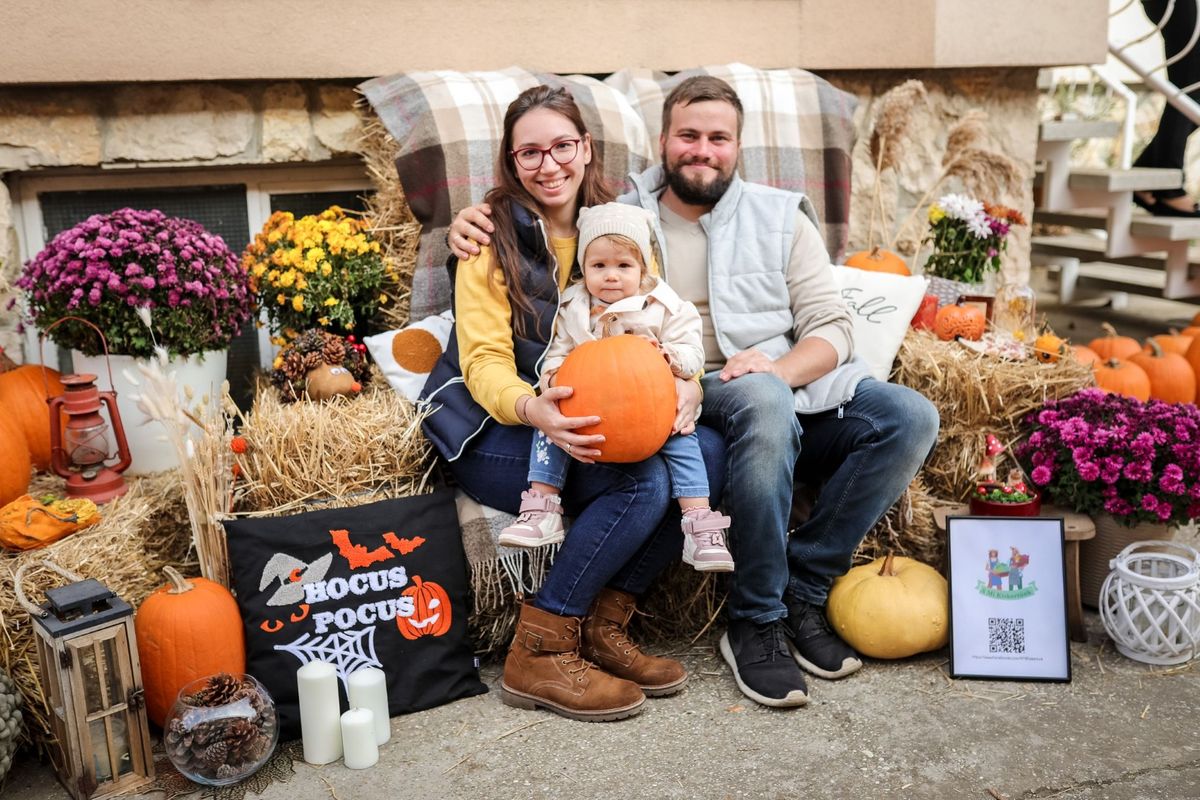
pixel 1119 730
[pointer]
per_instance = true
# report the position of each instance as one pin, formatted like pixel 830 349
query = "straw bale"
pixel 343 452
pixel 975 395
pixel 138 534
pixel 394 225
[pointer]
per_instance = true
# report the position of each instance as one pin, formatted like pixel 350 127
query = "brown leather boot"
pixel 545 670
pixel 606 641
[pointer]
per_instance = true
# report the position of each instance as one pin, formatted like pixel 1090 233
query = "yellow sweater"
pixel 483 320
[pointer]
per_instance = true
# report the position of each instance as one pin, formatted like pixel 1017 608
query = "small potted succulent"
pixel 1008 499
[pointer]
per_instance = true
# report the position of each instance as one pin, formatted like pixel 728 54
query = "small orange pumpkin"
pixel 878 260
pixel 959 320
pixel 1173 342
pixel 431 610
pixel 1048 348
pixel 1192 356
pixel 626 382
pixel 1085 355
pixel 23 393
pixel 1111 345
pixel 1122 377
pixel 1172 379
pixel 186 629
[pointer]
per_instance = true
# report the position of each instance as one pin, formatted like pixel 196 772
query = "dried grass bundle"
pixel 394 226
pixel 969 131
pixel 975 395
pixel 987 173
pixel 343 452
pixel 138 534
pixel 889 130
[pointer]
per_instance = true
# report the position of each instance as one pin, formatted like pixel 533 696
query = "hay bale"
pixel 975 395
pixel 137 535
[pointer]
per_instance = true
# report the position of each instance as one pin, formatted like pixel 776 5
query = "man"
pixel 780 384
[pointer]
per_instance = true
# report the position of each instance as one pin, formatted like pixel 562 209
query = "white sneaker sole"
pixel 516 541
pixel 791 700
pixel 708 566
pixel 849 665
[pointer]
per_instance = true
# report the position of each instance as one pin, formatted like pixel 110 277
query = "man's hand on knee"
pixel 748 361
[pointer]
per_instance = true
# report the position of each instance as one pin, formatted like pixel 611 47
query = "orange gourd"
pixel 878 260
pixel 187 629
pixel 1173 342
pixel 1122 377
pixel 431 610
pixel 1048 348
pixel 15 465
pixel 1111 345
pixel 959 320
pixel 1172 379
pixel 23 393
pixel 626 382
pixel 1085 355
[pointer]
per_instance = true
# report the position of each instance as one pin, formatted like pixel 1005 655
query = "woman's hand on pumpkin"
pixel 470 229
pixel 542 413
pixel 688 397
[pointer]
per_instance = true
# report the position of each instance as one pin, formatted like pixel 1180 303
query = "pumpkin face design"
pixel 431 610
pixel 957 320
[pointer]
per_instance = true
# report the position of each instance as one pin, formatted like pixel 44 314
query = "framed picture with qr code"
pixel 1008 599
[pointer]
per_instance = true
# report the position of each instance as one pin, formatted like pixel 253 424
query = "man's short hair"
pixel 699 89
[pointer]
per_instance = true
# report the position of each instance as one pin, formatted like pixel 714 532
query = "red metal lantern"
pixel 80 450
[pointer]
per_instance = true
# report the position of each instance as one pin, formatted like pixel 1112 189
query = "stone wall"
pixel 161 125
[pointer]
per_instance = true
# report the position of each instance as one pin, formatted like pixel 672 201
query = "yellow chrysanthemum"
pixel 383 298
pixel 278 362
pixel 280 299
pixel 331 301
pixel 323 321
pixel 298 302
pixel 936 214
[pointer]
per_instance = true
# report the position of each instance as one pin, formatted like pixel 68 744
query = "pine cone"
pixel 293 365
pixel 313 360
pixel 216 754
pixel 311 340
pixel 245 741
pixel 334 352
pixel 221 689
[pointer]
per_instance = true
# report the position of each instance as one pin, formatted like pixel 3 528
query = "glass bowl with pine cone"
pixel 221 729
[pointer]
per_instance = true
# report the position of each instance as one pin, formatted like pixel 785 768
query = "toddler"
pixel 618 294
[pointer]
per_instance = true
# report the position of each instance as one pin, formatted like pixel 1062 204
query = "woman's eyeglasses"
pixel 531 158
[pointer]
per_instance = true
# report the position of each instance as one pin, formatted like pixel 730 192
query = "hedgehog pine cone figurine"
pixel 318 364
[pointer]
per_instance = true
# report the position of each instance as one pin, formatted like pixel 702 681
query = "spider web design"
pixel 347 652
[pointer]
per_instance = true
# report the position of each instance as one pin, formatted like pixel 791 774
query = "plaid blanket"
pixel 498 573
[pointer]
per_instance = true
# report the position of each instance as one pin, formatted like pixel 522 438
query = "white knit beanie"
pixel 622 219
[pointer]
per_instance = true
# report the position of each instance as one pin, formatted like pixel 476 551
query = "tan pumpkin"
pixel 1112 345
pixel 894 607
pixel 1173 342
pixel 186 629
pixel 878 260
pixel 1122 377
pixel 23 392
pixel 1048 348
pixel 16 465
pixel 626 382
pixel 957 320
pixel 1085 355
pixel 1172 379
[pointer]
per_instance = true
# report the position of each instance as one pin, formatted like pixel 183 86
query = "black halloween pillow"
pixel 382 585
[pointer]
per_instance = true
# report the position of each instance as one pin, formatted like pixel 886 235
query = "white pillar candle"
pixel 368 689
pixel 316 683
pixel 358 738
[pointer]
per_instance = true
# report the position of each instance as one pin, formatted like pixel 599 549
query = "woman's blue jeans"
pixel 860 456
pixel 625 529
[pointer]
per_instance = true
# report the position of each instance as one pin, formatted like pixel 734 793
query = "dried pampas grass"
pixel 889 131
pixel 987 173
pixel 969 131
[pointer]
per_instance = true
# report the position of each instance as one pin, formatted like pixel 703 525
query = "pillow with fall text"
pixel 882 306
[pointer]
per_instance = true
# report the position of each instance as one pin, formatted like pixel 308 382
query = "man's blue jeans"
pixel 861 457
pixel 625 531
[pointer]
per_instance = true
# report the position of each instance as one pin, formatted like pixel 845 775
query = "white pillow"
pixel 882 306
pixel 406 356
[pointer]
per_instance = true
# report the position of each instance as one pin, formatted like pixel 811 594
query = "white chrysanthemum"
pixel 979 226
pixel 960 206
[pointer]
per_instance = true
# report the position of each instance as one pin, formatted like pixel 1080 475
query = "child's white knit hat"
pixel 632 222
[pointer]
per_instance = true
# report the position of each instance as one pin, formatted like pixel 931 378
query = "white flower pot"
pixel 151 452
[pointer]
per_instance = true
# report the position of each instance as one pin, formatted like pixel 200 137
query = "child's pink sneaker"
pixel 539 521
pixel 704 541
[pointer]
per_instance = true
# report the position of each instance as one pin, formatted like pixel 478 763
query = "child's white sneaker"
pixel 539 521
pixel 704 541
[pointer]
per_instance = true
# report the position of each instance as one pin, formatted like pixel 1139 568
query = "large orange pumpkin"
pixel 1085 355
pixel 1111 345
pixel 15 465
pixel 878 260
pixel 431 610
pixel 956 320
pixel 1192 356
pixel 186 630
pixel 626 382
pixel 1173 342
pixel 1122 377
pixel 1172 379
pixel 23 393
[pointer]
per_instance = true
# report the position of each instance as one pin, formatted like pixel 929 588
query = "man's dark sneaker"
pixel 814 644
pixel 762 667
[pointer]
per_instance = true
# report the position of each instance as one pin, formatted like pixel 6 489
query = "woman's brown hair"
pixel 509 191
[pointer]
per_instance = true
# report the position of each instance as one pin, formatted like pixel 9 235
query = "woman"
pixel 571 653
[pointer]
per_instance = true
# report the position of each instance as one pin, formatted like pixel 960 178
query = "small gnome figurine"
pixel 326 381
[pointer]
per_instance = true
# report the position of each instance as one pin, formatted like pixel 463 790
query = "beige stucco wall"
pixel 69 41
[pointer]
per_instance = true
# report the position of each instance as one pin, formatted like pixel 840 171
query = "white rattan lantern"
pixel 1150 602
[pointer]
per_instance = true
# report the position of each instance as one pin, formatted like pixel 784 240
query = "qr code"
pixel 1006 635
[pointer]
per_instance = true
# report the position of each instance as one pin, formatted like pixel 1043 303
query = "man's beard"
pixel 694 192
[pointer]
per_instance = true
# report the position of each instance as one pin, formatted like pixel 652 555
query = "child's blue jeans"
pixel 548 464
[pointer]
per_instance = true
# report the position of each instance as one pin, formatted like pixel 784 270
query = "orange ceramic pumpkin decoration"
pixel 878 260
pixel 1113 346
pixel 959 320
pixel 1085 355
pixel 23 393
pixel 1173 342
pixel 1172 379
pixel 431 610
pixel 1123 377
pixel 15 465
pixel 187 629
pixel 626 382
